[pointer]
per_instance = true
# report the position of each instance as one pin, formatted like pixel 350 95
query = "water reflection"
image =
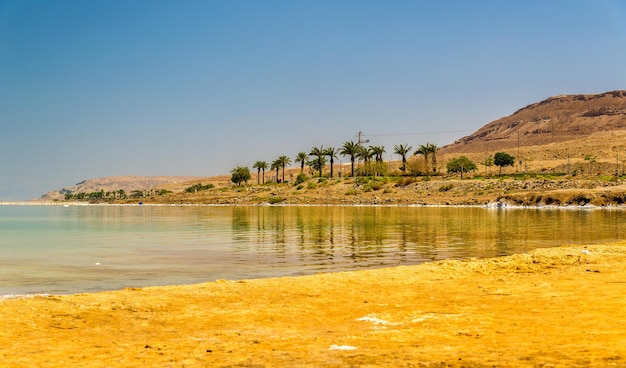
pixel 54 249
pixel 357 237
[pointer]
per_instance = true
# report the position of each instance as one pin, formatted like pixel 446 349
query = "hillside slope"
pixel 556 119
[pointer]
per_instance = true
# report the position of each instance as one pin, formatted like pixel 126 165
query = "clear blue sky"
pixel 106 87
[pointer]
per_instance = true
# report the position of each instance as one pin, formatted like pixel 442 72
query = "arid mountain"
pixel 115 183
pixel 556 119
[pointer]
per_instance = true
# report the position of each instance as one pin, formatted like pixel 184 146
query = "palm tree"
pixel 378 152
pixel 275 166
pixel 432 149
pixel 284 161
pixel 301 158
pixel 402 150
pixel 331 152
pixel 319 153
pixel 350 149
pixel 260 165
pixel 423 150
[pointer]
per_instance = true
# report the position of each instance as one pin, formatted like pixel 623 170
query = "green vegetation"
pixel 460 165
pixel 402 150
pixel 503 159
pixel 274 200
pixel 332 155
pixel 260 165
pixel 301 178
pixel 446 187
pixel 198 188
pixel 350 149
pixel 240 174
pixel 320 161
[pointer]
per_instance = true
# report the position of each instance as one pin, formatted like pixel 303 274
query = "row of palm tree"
pixel 316 158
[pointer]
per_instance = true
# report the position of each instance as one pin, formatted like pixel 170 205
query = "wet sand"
pixel 552 307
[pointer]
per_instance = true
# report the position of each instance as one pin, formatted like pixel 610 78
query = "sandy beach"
pixel 552 307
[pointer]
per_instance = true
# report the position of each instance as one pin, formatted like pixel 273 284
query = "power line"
pixel 422 133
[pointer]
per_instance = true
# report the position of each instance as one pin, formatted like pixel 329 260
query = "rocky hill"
pixel 556 119
pixel 115 183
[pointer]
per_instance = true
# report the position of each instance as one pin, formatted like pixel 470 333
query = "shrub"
pixel 301 179
pixel 446 187
pixel 402 182
pixel 274 200
pixel 299 187
pixel 375 185
pixel 199 187
pixel 351 192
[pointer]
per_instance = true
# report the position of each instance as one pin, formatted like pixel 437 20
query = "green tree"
pixel 284 161
pixel 502 159
pixel 350 149
pixel 302 158
pixel 260 165
pixel 460 165
pixel 240 174
pixel 402 150
pixel 331 152
pixel 318 153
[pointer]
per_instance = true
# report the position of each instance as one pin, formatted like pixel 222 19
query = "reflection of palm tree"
pixel 350 149
pixel 301 158
pixel 332 154
pixel 260 165
pixel 284 161
pixel 318 152
pixel 402 150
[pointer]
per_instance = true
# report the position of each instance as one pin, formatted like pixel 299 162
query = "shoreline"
pixel 558 306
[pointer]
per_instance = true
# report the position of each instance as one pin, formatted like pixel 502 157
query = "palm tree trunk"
pixel 352 166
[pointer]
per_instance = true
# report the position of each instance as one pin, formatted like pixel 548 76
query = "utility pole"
pixel 359 141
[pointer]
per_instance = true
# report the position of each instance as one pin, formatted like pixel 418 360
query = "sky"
pixel 99 88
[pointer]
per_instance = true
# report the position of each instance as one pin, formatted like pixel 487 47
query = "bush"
pixel 446 187
pixel 375 185
pixel 299 187
pixel 301 179
pixel 274 200
pixel 199 187
pixel 402 182
pixel 351 192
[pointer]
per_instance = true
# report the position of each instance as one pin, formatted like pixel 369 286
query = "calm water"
pixel 54 249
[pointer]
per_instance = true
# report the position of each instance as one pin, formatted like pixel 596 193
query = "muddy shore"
pixel 552 307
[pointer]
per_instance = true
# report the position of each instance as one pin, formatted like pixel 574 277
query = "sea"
pixel 67 249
